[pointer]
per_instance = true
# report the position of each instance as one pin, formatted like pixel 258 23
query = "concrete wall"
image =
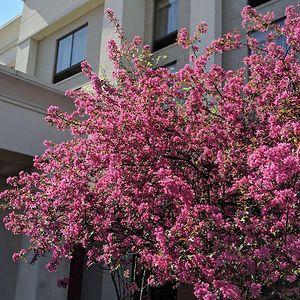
pixel 131 14
pixel 211 13
pixel 23 104
pixel 22 129
pixel 43 22
pixel 232 20
pixel 277 6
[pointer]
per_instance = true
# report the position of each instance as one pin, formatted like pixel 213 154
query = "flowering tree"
pixel 194 174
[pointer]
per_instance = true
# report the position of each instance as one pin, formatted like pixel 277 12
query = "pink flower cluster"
pixel 196 173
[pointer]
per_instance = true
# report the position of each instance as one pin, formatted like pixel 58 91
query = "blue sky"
pixel 9 9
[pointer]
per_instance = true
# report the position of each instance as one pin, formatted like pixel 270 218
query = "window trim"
pixel 166 40
pixel 73 69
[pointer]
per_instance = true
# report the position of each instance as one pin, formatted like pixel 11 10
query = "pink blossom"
pixel 255 290
pixel 195 174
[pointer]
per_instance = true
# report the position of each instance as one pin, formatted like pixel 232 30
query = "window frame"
pixel 73 69
pixel 166 40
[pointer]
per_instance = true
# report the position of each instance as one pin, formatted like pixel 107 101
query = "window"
pixel 71 51
pixel 257 2
pixel 261 37
pixel 165 23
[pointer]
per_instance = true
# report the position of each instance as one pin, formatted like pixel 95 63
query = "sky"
pixel 9 9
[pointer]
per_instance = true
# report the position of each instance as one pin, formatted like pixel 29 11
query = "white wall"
pixel 211 13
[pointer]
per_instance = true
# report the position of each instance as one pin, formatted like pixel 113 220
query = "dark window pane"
pixel 172 66
pixel 257 2
pixel 166 18
pixel 161 21
pixel 64 54
pixel 165 292
pixel 79 46
pixel 261 37
pixel 173 16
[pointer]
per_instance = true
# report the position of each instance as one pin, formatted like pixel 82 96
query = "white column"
pixel 134 18
pixel 131 14
pixel 26 56
pixel 210 12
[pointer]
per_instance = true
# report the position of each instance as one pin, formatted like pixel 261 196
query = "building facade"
pixel 40 54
